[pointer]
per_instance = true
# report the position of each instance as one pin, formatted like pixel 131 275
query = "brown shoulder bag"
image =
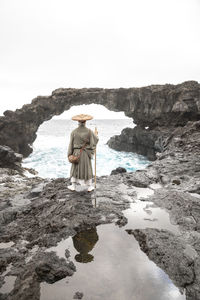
pixel 74 159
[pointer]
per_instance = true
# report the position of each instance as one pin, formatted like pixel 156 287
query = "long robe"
pixel 82 170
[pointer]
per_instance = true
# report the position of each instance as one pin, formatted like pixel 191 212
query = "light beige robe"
pixel 82 170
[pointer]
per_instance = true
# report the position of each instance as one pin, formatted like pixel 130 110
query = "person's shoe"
pixel 91 188
pixel 71 187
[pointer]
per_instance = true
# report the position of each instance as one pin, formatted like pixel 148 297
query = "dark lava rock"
pixel 139 140
pixel 169 252
pixel 8 215
pixel 36 191
pixel 52 268
pixel 56 213
pixel 178 168
pixel 118 171
pixel 155 105
pixel 42 222
pixel 78 295
pixel 174 255
pixel 9 158
pixel 138 178
pixel 67 253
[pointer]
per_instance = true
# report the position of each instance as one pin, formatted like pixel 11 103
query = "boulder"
pixel 139 140
pixel 52 268
pixel 118 171
pixel 9 158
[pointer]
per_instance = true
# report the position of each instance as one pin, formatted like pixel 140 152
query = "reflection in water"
pixel 84 242
pixel 119 269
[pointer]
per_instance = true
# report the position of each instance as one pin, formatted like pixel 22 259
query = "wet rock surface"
pixel 167 251
pixel 43 219
pixel 178 169
pixel 52 269
pixel 172 253
pixel 36 214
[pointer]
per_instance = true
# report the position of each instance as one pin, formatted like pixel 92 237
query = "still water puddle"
pixel 8 285
pixel 110 264
pixel 9 281
pixel 6 245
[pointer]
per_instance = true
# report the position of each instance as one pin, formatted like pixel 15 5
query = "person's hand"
pixel 96 132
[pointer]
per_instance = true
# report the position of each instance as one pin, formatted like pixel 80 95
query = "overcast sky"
pixel 47 44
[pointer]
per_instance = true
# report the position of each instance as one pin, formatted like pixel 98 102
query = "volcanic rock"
pixel 155 105
pixel 36 213
pixel 118 171
pixel 52 268
pixel 9 158
pixel 140 140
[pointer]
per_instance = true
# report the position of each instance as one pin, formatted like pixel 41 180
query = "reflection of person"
pixel 82 172
pixel 84 242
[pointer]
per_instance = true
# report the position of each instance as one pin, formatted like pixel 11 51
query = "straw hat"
pixel 82 117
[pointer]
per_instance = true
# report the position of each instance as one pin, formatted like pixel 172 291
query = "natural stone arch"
pixel 148 106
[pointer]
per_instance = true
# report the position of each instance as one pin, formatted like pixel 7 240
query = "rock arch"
pixel 155 105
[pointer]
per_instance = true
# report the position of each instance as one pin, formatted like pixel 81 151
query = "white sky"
pixel 47 44
pixel 96 110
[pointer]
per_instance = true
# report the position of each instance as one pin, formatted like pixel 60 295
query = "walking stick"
pixel 95 171
pixel 95 162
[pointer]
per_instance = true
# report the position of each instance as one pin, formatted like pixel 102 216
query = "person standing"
pixel 82 172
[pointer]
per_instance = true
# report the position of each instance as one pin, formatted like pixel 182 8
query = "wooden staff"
pixel 95 161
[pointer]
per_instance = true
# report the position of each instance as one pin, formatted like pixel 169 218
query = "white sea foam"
pixel 49 155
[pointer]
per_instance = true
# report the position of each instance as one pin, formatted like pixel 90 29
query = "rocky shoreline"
pixel 141 140
pixel 37 213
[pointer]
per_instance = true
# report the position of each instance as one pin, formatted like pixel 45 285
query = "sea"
pixel 49 156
